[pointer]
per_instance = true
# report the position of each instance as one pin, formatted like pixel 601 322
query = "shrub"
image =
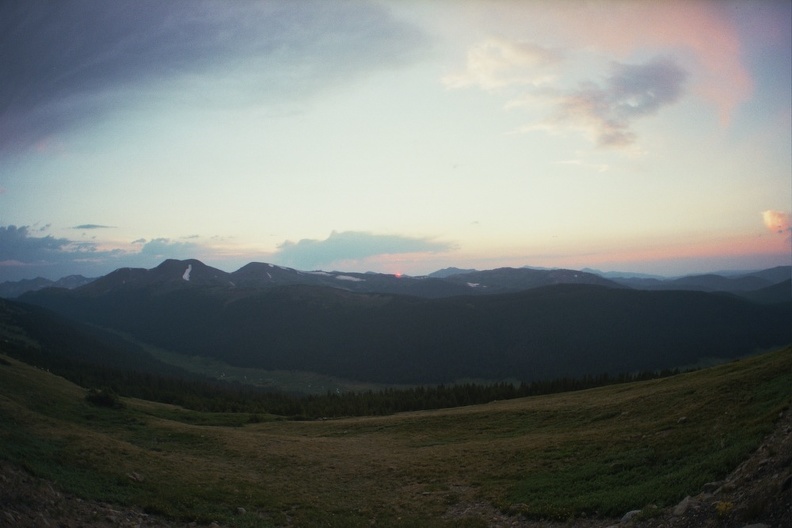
pixel 104 398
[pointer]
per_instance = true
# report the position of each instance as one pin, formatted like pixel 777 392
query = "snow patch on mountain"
pixel 349 278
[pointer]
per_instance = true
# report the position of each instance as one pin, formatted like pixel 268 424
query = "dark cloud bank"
pixel 68 61
pixel 24 255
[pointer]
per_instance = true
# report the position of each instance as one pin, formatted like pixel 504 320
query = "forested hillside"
pixel 539 334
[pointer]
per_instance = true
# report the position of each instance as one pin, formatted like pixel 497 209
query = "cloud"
pixel 571 37
pixel 497 63
pixel 23 255
pixel 17 245
pixel 351 245
pixel 93 226
pixel 630 92
pixel 702 29
pixel 604 111
pixel 705 33
pixel 64 63
pixel 777 221
pixel 158 249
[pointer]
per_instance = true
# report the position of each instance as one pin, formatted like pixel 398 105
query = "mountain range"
pixel 519 324
pixel 446 282
pixel 13 289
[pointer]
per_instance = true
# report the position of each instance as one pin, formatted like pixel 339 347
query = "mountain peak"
pixel 448 272
pixel 171 273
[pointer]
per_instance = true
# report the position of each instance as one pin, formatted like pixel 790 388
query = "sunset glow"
pixel 398 137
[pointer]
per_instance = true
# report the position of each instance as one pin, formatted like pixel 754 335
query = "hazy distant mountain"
pixel 447 272
pixel 739 283
pixel 258 275
pixel 180 274
pixel 622 274
pixel 541 332
pixel 11 290
pixel 504 280
pixel 777 293
pixel 447 282
pixel 774 275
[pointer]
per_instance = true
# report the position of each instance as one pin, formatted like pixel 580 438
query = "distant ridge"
pixel 504 280
pixel 623 274
pixel 11 290
pixel 499 324
pixel 168 275
pixel 448 272
pixel 447 282
pixel 713 282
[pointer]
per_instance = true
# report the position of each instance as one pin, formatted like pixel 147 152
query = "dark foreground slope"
pixel 581 459
pixel 80 352
pixel 551 332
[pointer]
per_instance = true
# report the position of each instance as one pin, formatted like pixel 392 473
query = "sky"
pixel 395 136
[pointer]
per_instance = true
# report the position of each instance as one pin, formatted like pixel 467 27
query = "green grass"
pixel 598 452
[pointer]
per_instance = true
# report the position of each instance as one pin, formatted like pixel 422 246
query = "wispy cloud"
pixel 497 63
pixel 704 33
pixel 64 63
pixel 92 226
pixel 630 92
pixel 702 30
pixel 604 110
pixel 164 248
pixel 701 44
pixel 352 245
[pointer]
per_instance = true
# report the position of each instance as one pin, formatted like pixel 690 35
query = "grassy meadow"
pixel 596 452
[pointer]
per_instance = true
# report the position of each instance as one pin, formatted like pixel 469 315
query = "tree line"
pixel 204 394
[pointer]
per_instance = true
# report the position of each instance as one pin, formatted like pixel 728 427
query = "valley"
pixel 520 325
pixel 177 397
pixel 595 454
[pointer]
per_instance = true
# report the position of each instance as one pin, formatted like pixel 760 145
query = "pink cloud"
pixel 697 31
pixel 777 221
pixel 632 91
pixel 697 27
